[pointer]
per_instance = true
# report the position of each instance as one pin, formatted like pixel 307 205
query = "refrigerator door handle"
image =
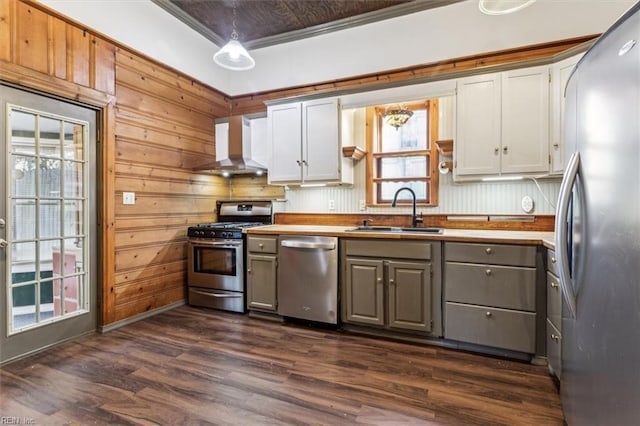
pixel 562 249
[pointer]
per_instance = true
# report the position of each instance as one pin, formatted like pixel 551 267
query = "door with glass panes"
pixel 47 222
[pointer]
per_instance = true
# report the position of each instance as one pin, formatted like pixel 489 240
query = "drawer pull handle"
pixel 261 245
pixel 554 285
pixel 488 250
pixel 248 271
pixel 553 260
pixel 391 281
pixel 555 337
pixel 488 314
pixel 379 280
pixel 488 272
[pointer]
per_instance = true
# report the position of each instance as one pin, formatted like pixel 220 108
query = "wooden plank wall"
pixel 164 126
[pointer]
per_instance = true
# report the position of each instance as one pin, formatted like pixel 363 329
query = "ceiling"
pixel 262 23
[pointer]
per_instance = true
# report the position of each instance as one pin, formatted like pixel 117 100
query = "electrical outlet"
pixel 128 198
pixel 527 204
pixel 332 204
pixel 362 205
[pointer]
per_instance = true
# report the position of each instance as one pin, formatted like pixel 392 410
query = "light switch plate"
pixel 128 198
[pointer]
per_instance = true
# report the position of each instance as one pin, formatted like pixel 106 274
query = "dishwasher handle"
pixel 308 244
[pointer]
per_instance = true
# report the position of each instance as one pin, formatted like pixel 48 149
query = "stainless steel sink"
pixel 425 230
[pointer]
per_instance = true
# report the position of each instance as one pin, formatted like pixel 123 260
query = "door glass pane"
pixel 23 180
pixel 49 178
pixel 25 209
pixel 23 128
pixel 73 214
pixel 24 306
pixel 73 149
pixel 47 202
pixel 73 179
pixel 50 136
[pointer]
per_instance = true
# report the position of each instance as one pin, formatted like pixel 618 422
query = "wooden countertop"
pixel 468 235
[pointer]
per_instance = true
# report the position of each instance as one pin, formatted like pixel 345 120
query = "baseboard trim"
pixel 115 325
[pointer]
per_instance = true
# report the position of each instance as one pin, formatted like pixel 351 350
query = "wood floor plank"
pixel 199 366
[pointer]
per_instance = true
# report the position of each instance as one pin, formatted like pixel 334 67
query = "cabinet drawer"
pixel 551 262
pixel 389 249
pixel 500 328
pixel 498 286
pixel 554 349
pixel 554 300
pixel 497 254
pixel 262 244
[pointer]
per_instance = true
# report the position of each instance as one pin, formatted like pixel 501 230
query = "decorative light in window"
pixel 397 116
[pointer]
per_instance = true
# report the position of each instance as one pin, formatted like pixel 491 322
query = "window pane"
pixel 396 167
pixel 410 137
pixel 47 300
pixel 390 188
pixel 23 128
pixel 23 262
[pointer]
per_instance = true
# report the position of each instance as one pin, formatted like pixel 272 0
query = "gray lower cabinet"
pixel 554 314
pixel 262 264
pixel 390 284
pixel 490 295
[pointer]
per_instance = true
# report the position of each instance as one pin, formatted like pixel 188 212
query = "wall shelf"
pixel 445 147
pixel 354 152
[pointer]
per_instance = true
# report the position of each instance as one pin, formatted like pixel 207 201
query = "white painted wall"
pixel 423 37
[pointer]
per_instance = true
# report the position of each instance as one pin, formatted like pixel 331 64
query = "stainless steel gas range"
pixel 216 277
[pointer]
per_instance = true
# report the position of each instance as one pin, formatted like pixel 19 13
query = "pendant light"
pixel 233 56
pixel 397 116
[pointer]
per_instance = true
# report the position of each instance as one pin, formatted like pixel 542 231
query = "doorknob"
pixel 3 243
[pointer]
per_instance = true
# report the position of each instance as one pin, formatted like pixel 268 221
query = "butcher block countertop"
pixel 466 235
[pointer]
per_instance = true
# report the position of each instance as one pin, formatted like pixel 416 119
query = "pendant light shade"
pixel 233 56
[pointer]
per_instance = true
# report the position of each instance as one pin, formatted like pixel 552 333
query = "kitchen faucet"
pixel 414 218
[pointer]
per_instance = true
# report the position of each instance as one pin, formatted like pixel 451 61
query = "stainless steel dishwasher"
pixel 308 278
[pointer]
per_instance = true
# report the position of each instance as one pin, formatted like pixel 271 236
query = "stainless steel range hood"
pixel 238 159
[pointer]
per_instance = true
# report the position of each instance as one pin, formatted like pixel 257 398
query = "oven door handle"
pixel 216 244
pixel 217 295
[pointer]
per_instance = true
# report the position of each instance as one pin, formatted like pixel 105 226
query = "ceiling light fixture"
pixel 502 7
pixel 233 56
pixel 397 116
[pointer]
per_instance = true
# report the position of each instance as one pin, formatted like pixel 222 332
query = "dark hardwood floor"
pixel 197 366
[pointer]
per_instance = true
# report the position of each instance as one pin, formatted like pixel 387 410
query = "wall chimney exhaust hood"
pixel 233 148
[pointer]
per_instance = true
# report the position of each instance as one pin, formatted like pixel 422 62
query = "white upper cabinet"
pixel 525 120
pixel 305 143
pixel 477 147
pixel 502 123
pixel 560 73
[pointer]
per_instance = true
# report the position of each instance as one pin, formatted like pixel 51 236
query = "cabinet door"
pixel 410 296
pixel 284 127
pixel 364 291
pixel 560 73
pixel 321 140
pixel 477 148
pixel 525 120
pixel 261 283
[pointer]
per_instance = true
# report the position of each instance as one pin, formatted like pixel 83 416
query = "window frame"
pixel 374 123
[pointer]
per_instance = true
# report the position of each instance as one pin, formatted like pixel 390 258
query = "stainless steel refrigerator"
pixel 598 232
